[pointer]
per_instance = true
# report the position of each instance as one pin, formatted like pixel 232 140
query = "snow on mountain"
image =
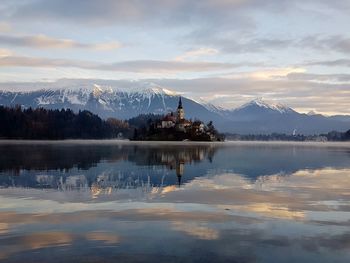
pixel 211 107
pixel 259 102
pixel 312 113
pixel 104 94
pixel 79 92
pixel 260 117
pixel 106 100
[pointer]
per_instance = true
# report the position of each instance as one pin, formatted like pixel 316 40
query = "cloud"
pixel 229 14
pixel 106 46
pixel 5 52
pixel 330 63
pixel 167 66
pixel 135 66
pixel 42 41
pixel 197 53
pixel 125 11
pixel 233 44
pixel 330 43
pixel 4 27
pixel 230 43
pixel 229 26
pixel 319 77
pixel 265 74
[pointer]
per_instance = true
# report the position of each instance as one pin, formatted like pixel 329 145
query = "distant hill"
pixel 255 117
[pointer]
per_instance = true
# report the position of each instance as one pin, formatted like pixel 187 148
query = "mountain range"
pixel 254 117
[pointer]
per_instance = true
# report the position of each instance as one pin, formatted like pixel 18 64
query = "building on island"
pixel 168 121
pixel 179 122
pixel 174 127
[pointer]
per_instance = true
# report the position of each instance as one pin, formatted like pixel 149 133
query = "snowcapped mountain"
pixel 256 110
pixel 129 100
pixel 107 101
pixel 312 113
pixel 259 104
pixel 258 116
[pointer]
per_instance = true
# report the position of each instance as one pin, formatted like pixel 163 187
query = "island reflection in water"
pixel 112 201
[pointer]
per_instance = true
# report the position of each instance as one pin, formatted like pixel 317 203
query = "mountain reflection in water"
pixel 128 165
pixel 118 201
pixel 121 166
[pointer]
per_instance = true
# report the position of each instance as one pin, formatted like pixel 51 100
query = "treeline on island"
pixel 150 129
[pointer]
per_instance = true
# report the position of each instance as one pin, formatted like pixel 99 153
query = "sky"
pixel 226 52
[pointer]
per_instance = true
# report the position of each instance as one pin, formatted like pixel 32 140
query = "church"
pixel 175 127
pixel 179 122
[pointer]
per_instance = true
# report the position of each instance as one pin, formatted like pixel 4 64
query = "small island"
pixel 174 127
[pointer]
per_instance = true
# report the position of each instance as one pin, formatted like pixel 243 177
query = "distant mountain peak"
pixel 147 89
pixel 209 106
pixel 157 90
pixel 312 113
pixel 97 91
pixel 259 102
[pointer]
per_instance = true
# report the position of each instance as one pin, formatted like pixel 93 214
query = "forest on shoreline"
pixel 44 124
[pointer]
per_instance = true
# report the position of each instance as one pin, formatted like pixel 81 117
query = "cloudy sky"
pixel 228 52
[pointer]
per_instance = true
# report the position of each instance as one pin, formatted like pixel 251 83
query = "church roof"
pixel 169 118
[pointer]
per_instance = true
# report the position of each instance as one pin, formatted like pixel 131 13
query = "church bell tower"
pixel 180 111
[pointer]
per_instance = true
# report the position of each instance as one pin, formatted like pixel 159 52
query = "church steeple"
pixel 180 103
pixel 180 111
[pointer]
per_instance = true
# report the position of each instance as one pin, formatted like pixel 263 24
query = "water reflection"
pixel 236 203
pixel 70 166
pixel 67 156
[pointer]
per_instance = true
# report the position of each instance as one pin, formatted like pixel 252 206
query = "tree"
pixel 40 123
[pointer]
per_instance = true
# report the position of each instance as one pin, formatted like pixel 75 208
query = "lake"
pixel 117 201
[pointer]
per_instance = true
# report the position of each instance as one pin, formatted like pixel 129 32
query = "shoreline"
pixel 90 142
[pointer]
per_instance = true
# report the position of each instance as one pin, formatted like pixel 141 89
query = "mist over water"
pixel 179 202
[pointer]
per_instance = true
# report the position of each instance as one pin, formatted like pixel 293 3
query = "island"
pixel 174 127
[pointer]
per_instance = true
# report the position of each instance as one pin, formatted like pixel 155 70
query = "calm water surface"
pixel 115 201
